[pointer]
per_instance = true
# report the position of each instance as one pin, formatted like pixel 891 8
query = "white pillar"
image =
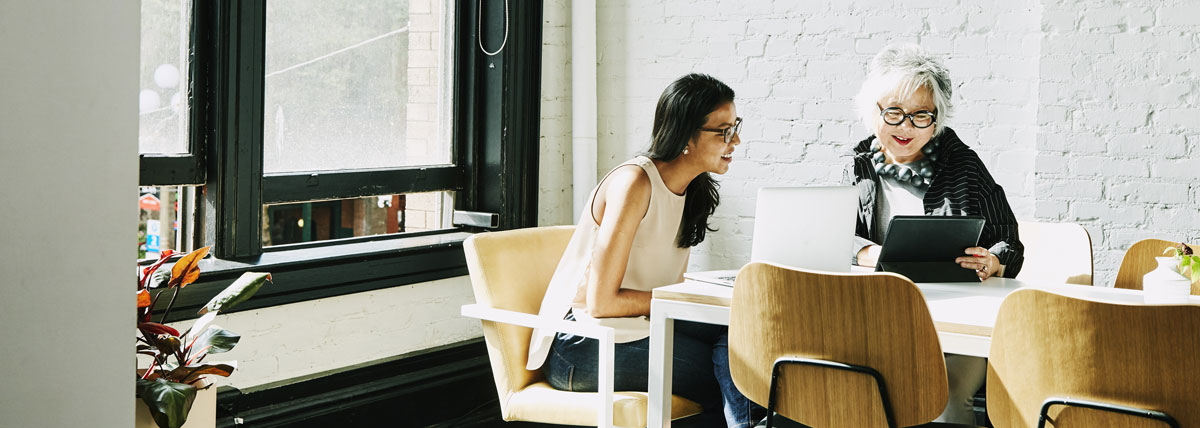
pixel 583 101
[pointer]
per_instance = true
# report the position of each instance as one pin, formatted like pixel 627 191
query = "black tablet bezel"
pixel 918 238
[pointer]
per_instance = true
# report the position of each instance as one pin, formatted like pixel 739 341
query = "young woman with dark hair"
pixel 634 236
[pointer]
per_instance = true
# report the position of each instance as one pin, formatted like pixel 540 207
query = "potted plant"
pixel 177 368
pixel 1187 261
pixel 1171 281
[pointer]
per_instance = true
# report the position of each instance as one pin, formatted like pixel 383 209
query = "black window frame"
pixel 495 135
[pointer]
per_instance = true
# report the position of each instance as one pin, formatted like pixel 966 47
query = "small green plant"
pixel 1189 262
pixel 177 364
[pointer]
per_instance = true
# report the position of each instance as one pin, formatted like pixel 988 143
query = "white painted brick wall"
pixel 554 164
pixel 1084 110
pixel 307 338
pixel 1119 102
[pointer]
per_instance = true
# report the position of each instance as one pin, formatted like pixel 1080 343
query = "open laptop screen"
pixel 805 227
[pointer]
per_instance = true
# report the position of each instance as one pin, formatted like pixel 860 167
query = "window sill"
pixel 316 272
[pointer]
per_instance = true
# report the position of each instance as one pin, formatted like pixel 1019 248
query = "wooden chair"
pixel 1056 253
pixel 510 271
pixel 1139 260
pixel 835 349
pixel 1085 363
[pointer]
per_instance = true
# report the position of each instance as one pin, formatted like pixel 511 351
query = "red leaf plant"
pixel 177 365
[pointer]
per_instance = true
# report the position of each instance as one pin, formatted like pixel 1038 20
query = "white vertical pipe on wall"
pixel 583 101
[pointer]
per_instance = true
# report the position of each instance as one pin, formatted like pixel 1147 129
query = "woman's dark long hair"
pixel 682 110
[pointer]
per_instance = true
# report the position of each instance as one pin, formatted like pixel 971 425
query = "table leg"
pixel 662 346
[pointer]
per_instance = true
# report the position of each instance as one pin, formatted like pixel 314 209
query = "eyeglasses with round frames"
pixel 729 132
pixel 895 116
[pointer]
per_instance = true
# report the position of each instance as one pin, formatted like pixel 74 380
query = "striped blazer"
pixel 961 186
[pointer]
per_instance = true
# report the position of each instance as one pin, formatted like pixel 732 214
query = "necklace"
pixel 919 173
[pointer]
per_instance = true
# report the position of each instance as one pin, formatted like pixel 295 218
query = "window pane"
pixel 162 98
pixel 347 218
pixel 354 85
pixel 164 219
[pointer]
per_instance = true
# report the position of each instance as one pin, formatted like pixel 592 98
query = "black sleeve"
pixel 1000 234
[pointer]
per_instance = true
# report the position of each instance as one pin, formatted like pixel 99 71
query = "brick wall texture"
pixel 1085 111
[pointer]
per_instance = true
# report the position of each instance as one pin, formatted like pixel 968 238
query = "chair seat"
pixel 540 402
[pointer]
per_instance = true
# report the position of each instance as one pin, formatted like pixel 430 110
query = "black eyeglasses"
pixel 729 132
pixel 895 116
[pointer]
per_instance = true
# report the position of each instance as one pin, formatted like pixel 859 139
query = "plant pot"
pixel 202 415
pixel 1164 284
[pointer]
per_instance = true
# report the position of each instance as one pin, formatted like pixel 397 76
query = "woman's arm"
pixel 619 206
pixel 866 252
pixel 999 234
pixel 1000 251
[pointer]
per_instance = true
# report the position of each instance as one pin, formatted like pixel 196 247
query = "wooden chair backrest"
pixel 1049 345
pixel 1139 260
pixel 1056 252
pixel 511 270
pixel 877 320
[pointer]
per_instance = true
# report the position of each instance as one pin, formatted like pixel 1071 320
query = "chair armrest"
pixel 535 321
pixel 604 334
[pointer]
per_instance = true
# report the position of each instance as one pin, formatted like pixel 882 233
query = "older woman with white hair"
pixel 914 164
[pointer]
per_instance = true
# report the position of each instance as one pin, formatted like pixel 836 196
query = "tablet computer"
pixel 923 248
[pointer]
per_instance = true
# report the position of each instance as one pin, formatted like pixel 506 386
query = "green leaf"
pixel 220 339
pixel 169 402
pixel 198 327
pixel 238 292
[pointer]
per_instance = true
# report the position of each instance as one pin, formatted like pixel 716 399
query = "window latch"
pixel 476 219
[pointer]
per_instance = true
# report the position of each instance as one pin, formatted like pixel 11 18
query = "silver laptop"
pixel 803 227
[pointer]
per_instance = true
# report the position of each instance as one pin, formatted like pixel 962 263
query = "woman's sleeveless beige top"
pixel 655 260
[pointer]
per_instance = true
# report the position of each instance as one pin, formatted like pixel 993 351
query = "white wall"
pixel 1120 120
pixel 554 164
pixel 68 164
pixel 297 340
pixel 1042 90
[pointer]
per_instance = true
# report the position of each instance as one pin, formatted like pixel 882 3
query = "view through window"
pixel 163 121
pixel 162 219
pixel 351 86
pixel 346 218
pixel 162 98
pixel 355 85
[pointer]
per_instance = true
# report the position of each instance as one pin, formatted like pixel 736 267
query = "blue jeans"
pixel 700 371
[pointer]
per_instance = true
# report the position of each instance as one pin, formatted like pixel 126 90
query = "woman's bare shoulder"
pixel 628 186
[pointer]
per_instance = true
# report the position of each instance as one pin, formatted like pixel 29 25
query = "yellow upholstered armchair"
pixel 510 272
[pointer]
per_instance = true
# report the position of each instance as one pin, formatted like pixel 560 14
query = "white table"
pixel 963 314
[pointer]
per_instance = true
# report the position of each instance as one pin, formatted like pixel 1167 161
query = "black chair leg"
pixel 887 404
